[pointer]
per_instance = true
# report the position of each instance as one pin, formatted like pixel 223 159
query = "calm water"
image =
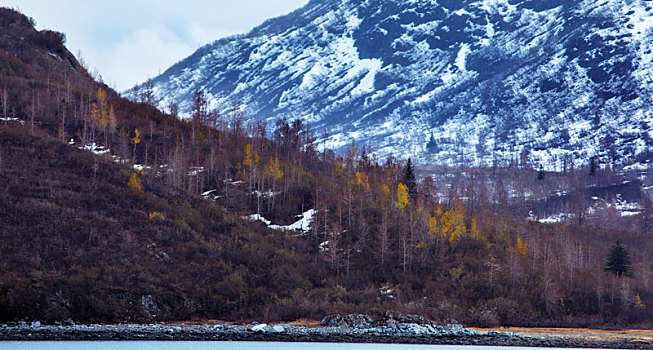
pixel 217 345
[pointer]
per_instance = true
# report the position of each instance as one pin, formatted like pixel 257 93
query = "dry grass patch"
pixel 632 334
pixel 304 322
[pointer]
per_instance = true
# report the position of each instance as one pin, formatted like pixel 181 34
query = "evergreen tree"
pixel 618 261
pixel 593 166
pixel 540 174
pixel 409 179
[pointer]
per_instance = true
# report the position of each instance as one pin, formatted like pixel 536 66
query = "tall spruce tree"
pixel 409 179
pixel 540 173
pixel 618 261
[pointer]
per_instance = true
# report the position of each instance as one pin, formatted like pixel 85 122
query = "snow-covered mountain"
pixel 445 81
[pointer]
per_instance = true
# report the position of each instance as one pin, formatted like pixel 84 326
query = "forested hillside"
pixel 113 211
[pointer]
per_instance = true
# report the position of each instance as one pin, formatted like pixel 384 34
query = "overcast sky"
pixel 131 40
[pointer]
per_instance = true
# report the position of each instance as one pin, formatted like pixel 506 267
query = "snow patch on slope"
pixel 303 224
pixel 461 58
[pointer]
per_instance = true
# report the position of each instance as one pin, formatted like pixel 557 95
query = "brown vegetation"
pixel 80 239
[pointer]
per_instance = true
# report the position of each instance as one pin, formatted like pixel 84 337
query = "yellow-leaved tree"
pixel 386 194
pixel 363 180
pixel 453 223
pixel 434 226
pixel 101 117
pixel 135 183
pixel 340 166
pixel 638 303
pixel 137 137
pixel 248 163
pixel 274 168
pixel 521 247
pixel 101 109
pixel 135 140
pixel 474 231
pixel 402 196
pixel 155 215
pixel 274 171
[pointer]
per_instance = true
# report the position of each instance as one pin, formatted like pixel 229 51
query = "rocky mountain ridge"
pixel 476 82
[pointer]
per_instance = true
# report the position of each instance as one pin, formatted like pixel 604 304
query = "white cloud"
pixel 127 41
pixel 141 53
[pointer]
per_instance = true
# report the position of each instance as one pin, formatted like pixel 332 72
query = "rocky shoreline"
pixel 345 329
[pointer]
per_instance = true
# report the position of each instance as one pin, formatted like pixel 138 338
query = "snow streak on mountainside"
pixel 444 81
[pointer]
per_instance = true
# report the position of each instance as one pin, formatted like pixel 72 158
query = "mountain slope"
pixel 87 238
pixel 122 233
pixel 446 81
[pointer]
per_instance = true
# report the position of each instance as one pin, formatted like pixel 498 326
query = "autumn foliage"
pixel 110 244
